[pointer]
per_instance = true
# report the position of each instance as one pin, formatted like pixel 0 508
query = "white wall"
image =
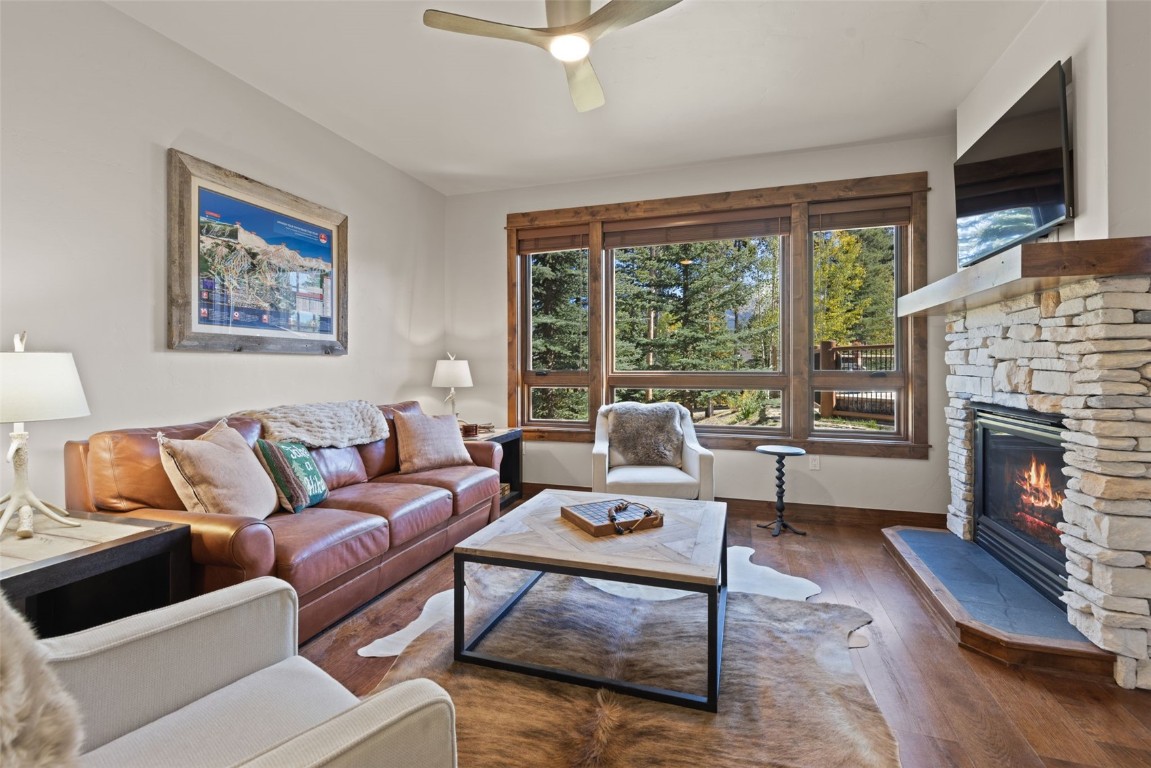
pixel 1129 118
pixel 1109 45
pixel 91 100
pixel 477 285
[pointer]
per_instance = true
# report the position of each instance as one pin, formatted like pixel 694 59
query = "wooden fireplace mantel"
pixel 1026 269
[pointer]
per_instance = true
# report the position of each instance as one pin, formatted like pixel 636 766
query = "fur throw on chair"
pixel 39 721
pixel 644 434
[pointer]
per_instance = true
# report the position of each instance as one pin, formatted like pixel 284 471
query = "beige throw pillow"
pixel 429 442
pixel 218 473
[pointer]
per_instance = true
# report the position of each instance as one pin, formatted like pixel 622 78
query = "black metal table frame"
pixel 716 608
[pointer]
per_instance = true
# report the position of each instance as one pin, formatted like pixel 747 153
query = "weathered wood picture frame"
pixel 252 268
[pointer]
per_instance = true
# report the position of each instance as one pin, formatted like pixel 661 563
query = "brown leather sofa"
pixel 375 528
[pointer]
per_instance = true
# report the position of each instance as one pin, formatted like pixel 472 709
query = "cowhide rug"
pixel 742 575
pixel 789 696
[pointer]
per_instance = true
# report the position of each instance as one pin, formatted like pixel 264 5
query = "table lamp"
pixel 452 373
pixel 34 386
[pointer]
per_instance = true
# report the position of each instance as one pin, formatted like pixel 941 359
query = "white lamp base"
pixel 21 499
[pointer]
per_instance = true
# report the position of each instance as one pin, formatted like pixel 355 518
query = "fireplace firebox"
pixel 1019 490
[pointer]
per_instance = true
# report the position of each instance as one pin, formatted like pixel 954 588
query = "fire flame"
pixel 1036 485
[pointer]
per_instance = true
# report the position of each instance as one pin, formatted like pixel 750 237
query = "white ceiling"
pixel 703 81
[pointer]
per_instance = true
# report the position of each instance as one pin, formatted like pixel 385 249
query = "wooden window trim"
pixel 898 200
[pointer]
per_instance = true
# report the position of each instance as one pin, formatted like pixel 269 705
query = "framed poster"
pixel 252 268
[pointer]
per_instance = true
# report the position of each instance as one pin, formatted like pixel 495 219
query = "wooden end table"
pixel 66 579
pixel 511 468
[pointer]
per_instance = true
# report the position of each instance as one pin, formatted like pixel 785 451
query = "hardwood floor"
pixel 947 706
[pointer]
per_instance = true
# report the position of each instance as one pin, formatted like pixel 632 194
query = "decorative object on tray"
pixel 252 268
pixel 34 386
pixel 614 516
pixel 467 429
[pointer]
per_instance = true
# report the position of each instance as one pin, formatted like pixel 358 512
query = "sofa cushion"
pixel 409 509
pixel 668 482
pixel 469 485
pixel 218 473
pixel 320 545
pixel 429 442
pixel 124 469
pixel 232 724
pixel 340 466
pixel 298 481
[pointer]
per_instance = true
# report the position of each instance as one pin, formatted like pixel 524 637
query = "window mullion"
pixel 518 329
pixel 797 324
pixel 598 302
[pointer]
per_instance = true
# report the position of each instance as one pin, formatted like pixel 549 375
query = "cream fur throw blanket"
pixel 39 723
pixel 323 425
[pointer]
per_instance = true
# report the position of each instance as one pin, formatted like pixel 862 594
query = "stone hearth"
pixel 1082 350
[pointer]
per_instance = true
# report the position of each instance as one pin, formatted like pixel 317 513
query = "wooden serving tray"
pixel 592 517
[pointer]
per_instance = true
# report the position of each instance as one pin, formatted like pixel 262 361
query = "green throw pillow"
pixel 298 481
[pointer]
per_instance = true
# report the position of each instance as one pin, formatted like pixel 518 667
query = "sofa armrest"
pixel 698 462
pixel 240 543
pixel 115 671
pixel 485 453
pixel 410 725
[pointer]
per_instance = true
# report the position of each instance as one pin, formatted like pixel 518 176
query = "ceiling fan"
pixel 571 31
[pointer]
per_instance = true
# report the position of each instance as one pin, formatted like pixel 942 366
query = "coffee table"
pixel 688 553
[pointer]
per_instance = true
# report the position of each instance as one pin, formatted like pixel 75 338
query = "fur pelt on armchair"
pixel 39 721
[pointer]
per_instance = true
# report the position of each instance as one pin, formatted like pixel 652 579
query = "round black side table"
pixel 780 452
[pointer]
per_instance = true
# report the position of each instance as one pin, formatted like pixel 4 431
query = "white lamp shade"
pixel 452 373
pixel 40 386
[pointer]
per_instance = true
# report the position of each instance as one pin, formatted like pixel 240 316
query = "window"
pixel 770 314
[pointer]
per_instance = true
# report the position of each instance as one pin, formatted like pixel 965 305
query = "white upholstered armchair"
pixel 650 449
pixel 217 681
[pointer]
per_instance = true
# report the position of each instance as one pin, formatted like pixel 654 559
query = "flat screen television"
pixel 1014 184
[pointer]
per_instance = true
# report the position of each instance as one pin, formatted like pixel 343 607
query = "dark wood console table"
pixel 511 469
pixel 65 579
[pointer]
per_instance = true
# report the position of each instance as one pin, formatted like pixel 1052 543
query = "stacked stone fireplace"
pixel 1082 352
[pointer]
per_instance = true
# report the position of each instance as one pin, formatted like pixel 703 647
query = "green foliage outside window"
pixel 853 286
pixel 708 306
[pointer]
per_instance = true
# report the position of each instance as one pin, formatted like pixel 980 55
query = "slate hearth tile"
pixel 990 592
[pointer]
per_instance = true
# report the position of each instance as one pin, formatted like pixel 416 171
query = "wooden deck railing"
pixel 879 406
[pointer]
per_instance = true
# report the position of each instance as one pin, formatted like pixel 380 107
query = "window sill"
pixel 887 449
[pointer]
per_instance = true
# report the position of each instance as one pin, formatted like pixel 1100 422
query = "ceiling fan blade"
pixel 584 85
pixel 618 14
pixel 466 25
pixel 560 13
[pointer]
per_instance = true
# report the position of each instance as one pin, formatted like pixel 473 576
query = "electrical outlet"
pixel 813 462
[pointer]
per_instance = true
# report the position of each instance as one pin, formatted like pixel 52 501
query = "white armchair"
pixel 612 472
pixel 217 681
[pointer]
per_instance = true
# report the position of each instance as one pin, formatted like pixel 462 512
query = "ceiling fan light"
pixel 569 47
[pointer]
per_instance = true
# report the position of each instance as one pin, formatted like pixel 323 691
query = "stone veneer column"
pixel 1083 351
